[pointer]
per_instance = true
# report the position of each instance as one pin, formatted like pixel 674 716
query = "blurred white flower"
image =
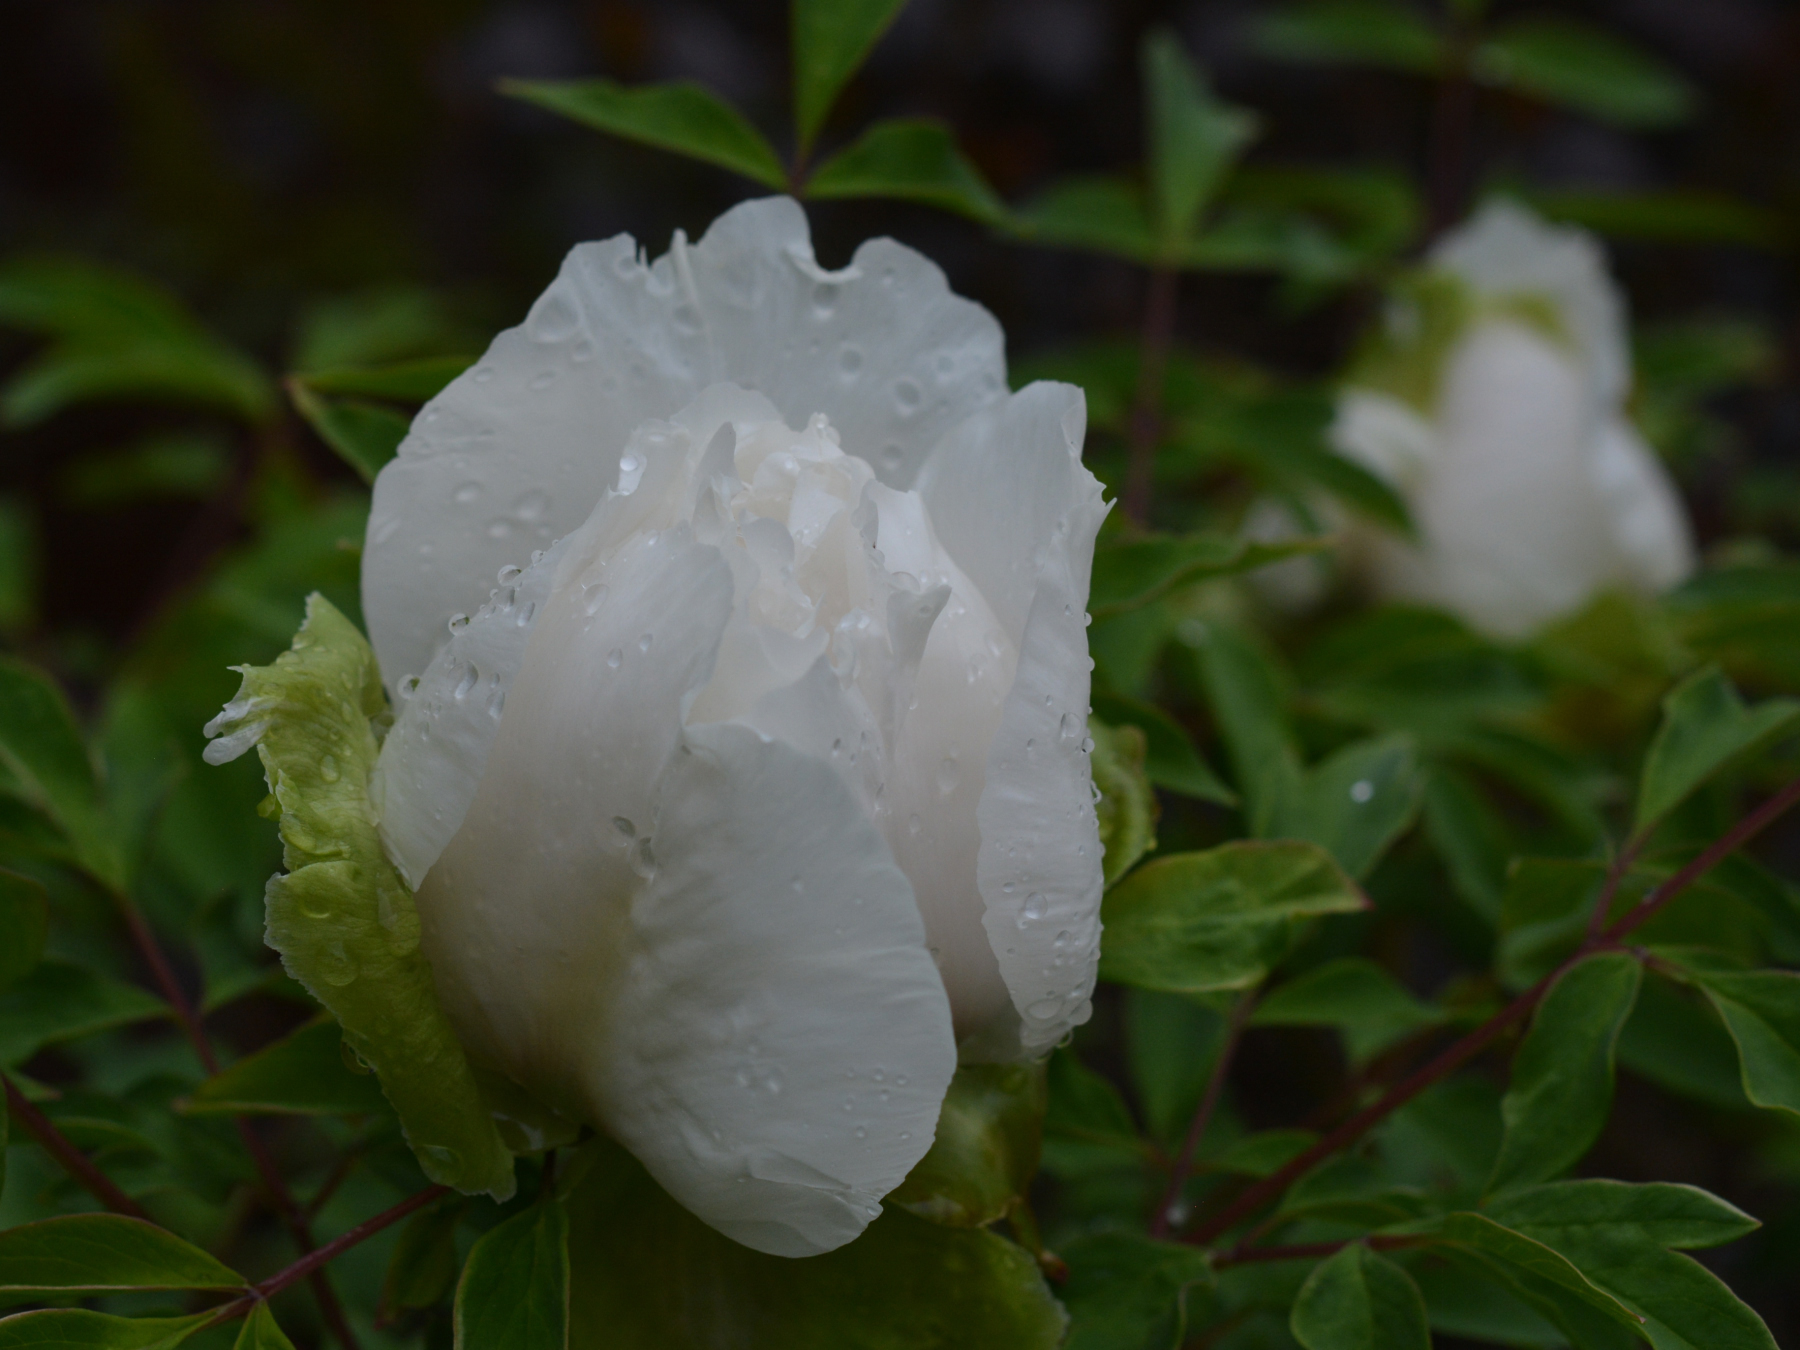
pixel 1497 410
pixel 734 615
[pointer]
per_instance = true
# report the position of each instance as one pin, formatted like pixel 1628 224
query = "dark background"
pixel 263 157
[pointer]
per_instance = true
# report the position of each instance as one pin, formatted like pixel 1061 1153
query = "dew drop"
pixel 890 457
pixel 824 298
pixel 631 472
pixel 907 396
pixel 483 374
pixel 1044 1009
pixel 328 769
pixel 1070 728
pixel 914 824
pixel 613 658
pixel 1361 791
pixel 544 381
pixel 509 574
pixel 466 684
pixel 499 529
pixel 458 622
pixel 596 598
pixel 1036 906
pixel 466 494
pixel 850 360
pixel 532 505
pixel 948 775
pixel 645 641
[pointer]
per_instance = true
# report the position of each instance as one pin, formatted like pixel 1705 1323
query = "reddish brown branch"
pixel 1209 1101
pixel 76 1163
pixel 1453 1058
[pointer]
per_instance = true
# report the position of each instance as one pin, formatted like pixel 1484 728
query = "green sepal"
pixel 340 916
pixel 989 1135
pixel 1127 808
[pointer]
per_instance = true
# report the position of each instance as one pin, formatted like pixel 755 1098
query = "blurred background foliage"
pixel 239 235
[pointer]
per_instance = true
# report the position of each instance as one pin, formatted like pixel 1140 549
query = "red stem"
pixel 1255 1197
pixel 313 1262
pixel 1146 426
pixel 1209 1101
pixel 76 1163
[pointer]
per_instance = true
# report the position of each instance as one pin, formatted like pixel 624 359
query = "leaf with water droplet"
pixel 989 1135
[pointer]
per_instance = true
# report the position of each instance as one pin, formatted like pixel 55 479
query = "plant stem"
pixel 1453 1058
pixel 1451 112
pixel 1146 427
pixel 1615 877
pixel 1209 1101
pixel 76 1163
pixel 281 1199
pixel 313 1262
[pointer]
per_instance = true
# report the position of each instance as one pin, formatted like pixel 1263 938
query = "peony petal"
pixel 1506 250
pixel 998 483
pixel 779 1045
pixel 525 911
pixel 516 452
pixel 1649 525
pixel 1039 867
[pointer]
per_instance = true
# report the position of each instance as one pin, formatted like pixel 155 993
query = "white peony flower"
pixel 1505 431
pixel 733 614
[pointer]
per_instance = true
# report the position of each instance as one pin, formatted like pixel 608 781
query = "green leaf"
pixel 1544 915
pixel 1086 1108
pixel 365 435
pixel 1586 68
pixel 1353 994
pixel 985 1153
pixel 1261 1154
pixel 832 38
pixel 1360 1301
pixel 1127 807
pixel 1203 922
pixel 1562 1077
pixel 1685 1306
pixel 42 748
pixel 1656 1213
pixel 79 1329
pixel 304 1073
pixel 1131 572
pixel 1101 214
pixel 1171 1042
pixel 341 917
pixel 1470 838
pixel 1193 138
pixel 421 1272
pixel 1676 1040
pixel 1127 1292
pixel 1705 727
pixel 181 465
pixel 1747 618
pixel 1762 1011
pixel 905 1283
pixel 59 1001
pixel 1354 32
pixel 912 159
pixel 262 1332
pixel 1246 690
pixel 1297 462
pixel 1170 759
pixel 415 381
pixel 1356 802
pixel 1525 1256
pixel 116 335
pixel 102 1252
pixel 20 565
pixel 24 925
pixel 514 1291
pixel 681 116
pixel 1677 216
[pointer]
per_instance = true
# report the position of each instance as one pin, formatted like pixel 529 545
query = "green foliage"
pixel 305 1073
pixel 1705 727
pixel 905 1282
pixel 24 925
pixel 1358 1300
pixel 94 1253
pixel 262 1332
pixel 1352 994
pixel 340 916
pixel 423 1268
pixel 1170 759
pixel 1585 68
pixel 1127 1292
pixel 832 38
pixel 1562 1079
pixel 1762 1011
pixel 1194 139
pixel 79 1329
pixel 116 335
pixel 986 1149
pixel 909 159
pixel 61 1001
pixel 1364 32
pixel 1206 922
pixel 50 768
pixel 514 1291
pixel 683 117
pixel 1131 572
pixel 1127 807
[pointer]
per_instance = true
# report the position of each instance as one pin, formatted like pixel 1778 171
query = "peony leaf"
pixel 342 919
pixel 42 749
pixel 1761 1009
pixel 1127 1292
pixel 1204 922
pixel 365 435
pixel 1131 572
pixel 1170 759
pixel 681 116
pixel 422 1270
pixel 1352 32
pixel 514 1291
pixel 1562 1077
pixel 1705 727
pixel 905 1283
pixel 1106 215
pixel 1352 993
pixel 1127 807
pixel 1586 68
pixel 910 159
pixel 1360 1301
pixel 24 925
pixel 262 1332
pixel 301 1074
pixel 989 1135
pixel 1194 139
pixel 92 1253
pixel 59 1001
pixel 79 1329
pixel 831 39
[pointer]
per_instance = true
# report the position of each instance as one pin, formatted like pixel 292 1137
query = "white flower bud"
pixel 1530 488
pixel 753 784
